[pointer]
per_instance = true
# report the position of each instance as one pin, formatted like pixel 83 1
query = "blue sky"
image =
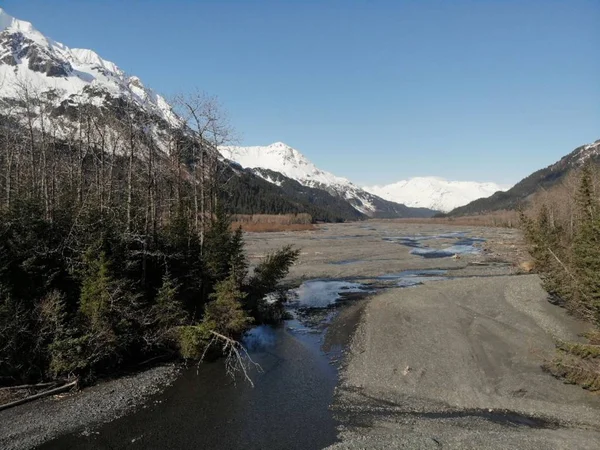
pixel 376 91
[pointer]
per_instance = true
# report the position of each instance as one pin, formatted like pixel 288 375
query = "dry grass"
pixel 577 363
pixel 576 370
pixel 268 223
pixel 280 219
pixel 503 219
pixel 584 351
pixel 593 337
pixel 272 227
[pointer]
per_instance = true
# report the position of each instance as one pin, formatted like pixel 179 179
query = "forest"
pixel 116 244
pixel 562 229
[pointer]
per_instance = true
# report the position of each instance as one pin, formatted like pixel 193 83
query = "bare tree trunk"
pixel 210 128
pixel 8 180
pixel 130 179
pixel 80 166
pixel 44 149
pixel 31 143
pixel 203 201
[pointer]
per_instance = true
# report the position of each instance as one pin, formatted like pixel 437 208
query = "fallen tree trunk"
pixel 28 386
pixel 57 390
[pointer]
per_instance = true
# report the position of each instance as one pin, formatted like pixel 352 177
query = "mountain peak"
pixel 280 157
pixel 26 54
pixel 279 144
pixel 7 21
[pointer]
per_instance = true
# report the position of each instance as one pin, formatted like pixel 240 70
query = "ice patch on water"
pixel 431 253
pixel 463 245
pixel 320 294
pixel 414 273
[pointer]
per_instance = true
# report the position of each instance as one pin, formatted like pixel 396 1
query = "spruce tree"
pixel 586 247
pixel 225 314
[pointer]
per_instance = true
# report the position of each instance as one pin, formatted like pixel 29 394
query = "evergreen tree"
pixel 225 314
pixel 586 247
pixel 217 249
pixel 238 264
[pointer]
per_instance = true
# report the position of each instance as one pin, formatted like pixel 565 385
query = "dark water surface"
pixel 288 407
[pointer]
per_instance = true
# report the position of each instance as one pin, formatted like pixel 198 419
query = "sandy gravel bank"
pixel 29 425
pixel 456 364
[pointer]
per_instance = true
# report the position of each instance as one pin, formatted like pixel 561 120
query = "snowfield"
pixel 435 193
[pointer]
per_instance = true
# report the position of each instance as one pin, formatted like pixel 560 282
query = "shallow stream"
pixel 288 407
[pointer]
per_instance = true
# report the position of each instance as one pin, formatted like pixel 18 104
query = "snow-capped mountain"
pixel 282 158
pixel 32 64
pixel 434 192
pixel 288 161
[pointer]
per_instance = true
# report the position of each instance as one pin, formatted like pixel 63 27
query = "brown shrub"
pixel 266 223
pixel 503 219
pixel 574 369
pixel 277 219
pixel 272 227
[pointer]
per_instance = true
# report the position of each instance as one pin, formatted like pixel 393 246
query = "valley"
pixel 430 351
pixel 167 283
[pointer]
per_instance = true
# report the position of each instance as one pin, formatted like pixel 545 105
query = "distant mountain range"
pixel 36 68
pixel 545 178
pixel 435 193
pixel 277 163
pixel 416 197
pixel 271 179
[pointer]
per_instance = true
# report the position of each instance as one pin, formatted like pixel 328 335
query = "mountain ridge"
pixel 287 161
pixel 541 179
pixel 70 84
pixel 31 61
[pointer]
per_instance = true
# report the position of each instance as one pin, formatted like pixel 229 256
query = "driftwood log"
pixel 57 390
pixel 29 386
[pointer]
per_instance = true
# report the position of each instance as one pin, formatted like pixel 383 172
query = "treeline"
pixel 248 193
pixel 563 232
pixel 115 243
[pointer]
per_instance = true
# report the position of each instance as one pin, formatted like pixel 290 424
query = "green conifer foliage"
pixel 225 313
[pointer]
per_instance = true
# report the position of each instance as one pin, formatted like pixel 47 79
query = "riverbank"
pixel 457 364
pixel 28 425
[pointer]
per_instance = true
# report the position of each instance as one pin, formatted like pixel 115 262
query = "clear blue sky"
pixel 376 91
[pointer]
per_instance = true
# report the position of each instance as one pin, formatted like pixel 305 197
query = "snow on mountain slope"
pixel 435 193
pixel 282 158
pixel 31 64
